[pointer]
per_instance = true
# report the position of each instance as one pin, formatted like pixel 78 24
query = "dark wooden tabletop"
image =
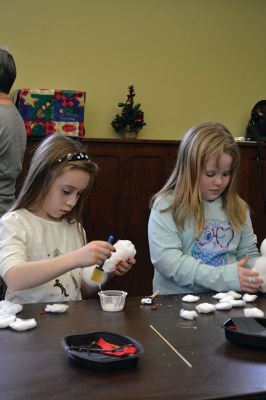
pixel 35 366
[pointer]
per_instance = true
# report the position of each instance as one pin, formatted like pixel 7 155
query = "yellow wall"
pixel 189 60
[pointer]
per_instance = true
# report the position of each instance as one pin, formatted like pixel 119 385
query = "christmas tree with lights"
pixel 131 118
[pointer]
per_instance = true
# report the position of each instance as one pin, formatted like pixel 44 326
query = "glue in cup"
pixel 112 300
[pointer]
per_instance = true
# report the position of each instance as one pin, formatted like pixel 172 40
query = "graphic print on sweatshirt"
pixel 58 284
pixel 212 245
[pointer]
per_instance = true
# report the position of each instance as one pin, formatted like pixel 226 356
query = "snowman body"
pixel 260 265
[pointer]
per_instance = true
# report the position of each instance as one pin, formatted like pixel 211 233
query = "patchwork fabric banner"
pixel 47 111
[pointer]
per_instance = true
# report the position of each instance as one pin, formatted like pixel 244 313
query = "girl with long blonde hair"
pixel 200 233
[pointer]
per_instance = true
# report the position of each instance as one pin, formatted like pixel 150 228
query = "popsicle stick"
pixel 172 347
pixel 155 294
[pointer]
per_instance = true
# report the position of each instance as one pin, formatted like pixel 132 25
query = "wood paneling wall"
pixel 131 171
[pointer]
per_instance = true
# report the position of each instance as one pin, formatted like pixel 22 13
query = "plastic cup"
pixel 112 300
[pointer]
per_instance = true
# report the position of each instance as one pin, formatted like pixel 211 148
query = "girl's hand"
pixel 95 252
pixel 249 279
pixel 123 266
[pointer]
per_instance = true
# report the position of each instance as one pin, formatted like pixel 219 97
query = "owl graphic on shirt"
pixel 211 246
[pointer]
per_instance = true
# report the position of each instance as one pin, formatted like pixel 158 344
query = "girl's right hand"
pixel 249 279
pixel 95 252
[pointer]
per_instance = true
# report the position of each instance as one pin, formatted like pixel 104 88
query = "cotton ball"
pixel 253 312
pixel 233 302
pixel 190 298
pixel 188 314
pixel 224 305
pixel 205 308
pixel 8 307
pixel 228 298
pixel 5 320
pixel 238 303
pixel 87 273
pixel 260 267
pixel 249 298
pixel 219 296
pixel 124 250
pixel 56 308
pixel 23 324
pixel 234 294
pixel 263 248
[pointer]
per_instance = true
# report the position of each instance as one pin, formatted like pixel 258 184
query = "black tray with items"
pixel 246 331
pixel 103 351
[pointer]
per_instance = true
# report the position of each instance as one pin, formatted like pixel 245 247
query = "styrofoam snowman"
pixel 124 249
pixel 260 265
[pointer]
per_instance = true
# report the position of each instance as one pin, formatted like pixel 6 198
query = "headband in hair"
pixel 79 156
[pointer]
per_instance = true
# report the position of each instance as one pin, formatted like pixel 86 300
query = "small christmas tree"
pixel 131 118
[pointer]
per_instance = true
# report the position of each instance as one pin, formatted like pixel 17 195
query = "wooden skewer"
pixel 155 294
pixel 169 344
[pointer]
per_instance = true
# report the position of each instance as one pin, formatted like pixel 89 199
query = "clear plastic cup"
pixel 112 300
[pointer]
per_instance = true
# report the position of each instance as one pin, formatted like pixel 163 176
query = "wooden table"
pixel 35 366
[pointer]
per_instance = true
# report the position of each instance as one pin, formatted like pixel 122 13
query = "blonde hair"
pixel 51 159
pixel 199 144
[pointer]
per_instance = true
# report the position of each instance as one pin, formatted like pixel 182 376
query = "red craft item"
pixel 125 350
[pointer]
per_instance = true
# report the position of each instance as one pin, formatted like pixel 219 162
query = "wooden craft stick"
pixel 169 344
pixel 155 294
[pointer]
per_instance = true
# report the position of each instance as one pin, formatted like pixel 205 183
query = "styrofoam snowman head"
pixel 263 248
pixel 260 267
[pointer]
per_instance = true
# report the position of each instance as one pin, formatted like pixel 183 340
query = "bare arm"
pixel 34 273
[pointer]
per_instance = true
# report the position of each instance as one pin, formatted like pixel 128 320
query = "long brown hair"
pixel 199 144
pixel 51 158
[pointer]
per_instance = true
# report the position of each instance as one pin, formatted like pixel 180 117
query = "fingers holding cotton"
pixel 123 266
pixel 123 257
pixel 250 280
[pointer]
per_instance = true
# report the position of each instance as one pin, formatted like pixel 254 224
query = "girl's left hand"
pixel 123 266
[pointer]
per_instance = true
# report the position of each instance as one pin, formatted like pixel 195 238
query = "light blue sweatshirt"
pixel 186 264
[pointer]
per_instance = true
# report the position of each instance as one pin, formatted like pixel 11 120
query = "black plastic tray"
pixel 101 362
pixel 246 331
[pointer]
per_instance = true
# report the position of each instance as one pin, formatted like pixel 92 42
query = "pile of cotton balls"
pixel 9 310
pixel 9 319
pixel 226 301
pixel 124 250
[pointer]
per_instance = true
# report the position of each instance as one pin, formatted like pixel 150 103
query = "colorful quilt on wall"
pixel 47 111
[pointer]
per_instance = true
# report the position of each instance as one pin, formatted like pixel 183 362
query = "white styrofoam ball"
pixel 260 267
pixel 263 248
pixel 124 250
